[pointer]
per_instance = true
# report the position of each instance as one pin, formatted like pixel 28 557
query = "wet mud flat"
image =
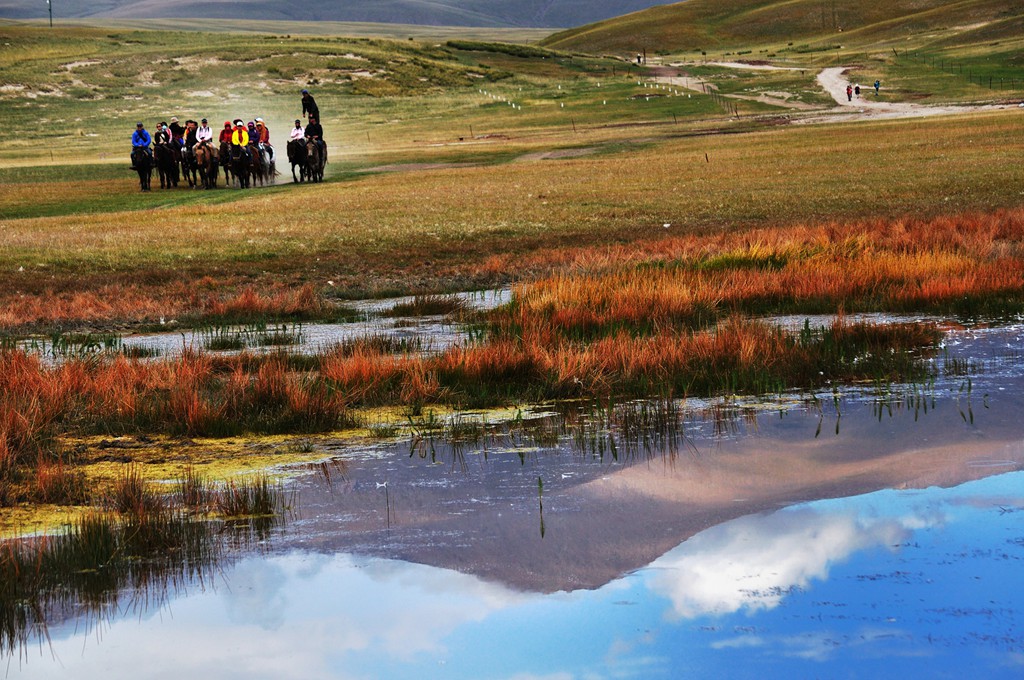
pixel 873 530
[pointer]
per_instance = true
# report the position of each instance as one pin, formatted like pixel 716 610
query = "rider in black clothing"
pixel 309 106
pixel 177 132
pixel 315 132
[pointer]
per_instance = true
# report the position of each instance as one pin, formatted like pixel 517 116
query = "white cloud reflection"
pixel 753 562
pixel 295 616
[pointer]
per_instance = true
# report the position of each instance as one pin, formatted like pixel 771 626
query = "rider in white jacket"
pixel 204 133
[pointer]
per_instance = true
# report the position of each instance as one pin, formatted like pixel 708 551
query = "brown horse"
pixel 206 159
pixel 315 162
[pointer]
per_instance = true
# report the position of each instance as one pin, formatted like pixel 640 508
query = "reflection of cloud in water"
pixel 299 615
pixel 820 645
pixel 255 594
pixel 753 562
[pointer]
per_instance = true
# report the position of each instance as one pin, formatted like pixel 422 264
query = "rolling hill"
pixel 491 13
pixel 718 24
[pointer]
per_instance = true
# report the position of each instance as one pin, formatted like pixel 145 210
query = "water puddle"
pixel 428 333
pixel 873 529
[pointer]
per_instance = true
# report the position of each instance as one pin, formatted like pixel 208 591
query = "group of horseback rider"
pixel 193 135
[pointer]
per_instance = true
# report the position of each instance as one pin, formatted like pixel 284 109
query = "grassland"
pixel 803 25
pixel 641 226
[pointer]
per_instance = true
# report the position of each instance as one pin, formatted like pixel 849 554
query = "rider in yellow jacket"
pixel 240 136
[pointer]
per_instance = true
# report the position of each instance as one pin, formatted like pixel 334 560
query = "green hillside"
pixel 698 25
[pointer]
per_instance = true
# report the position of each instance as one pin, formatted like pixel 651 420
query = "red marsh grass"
pixel 186 302
pixel 198 394
pixel 969 264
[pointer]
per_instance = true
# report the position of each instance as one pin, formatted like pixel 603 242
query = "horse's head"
pixel 140 159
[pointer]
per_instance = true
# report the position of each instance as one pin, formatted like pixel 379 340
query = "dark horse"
pixel 224 158
pixel 240 162
pixel 297 156
pixel 315 162
pixel 189 167
pixel 165 166
pixel 257 170
pixel 142 163
pixel 206 161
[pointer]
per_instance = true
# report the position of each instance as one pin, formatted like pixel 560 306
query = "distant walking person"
pixel 856 90
pixel 309 106
pixel 878 84
pixel 849 93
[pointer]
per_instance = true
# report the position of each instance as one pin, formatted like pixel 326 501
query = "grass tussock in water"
pixel 429 305
pixel 257 496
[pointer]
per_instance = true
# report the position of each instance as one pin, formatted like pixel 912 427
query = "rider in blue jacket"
pixel 141 138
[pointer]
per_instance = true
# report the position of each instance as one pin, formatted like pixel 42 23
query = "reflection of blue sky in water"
pixel 920 583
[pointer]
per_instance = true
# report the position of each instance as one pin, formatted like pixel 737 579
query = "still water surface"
pixel 880 535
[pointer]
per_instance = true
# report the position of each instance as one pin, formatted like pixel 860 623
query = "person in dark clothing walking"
pixel 309 106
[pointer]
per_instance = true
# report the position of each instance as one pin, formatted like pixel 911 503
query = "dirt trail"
pixel 833 80
pixel 671 76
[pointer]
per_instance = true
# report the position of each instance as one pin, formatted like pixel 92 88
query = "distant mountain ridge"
pixel 476 13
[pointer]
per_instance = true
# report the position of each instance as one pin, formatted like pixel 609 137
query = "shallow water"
pixel 433 333
pixel 877 585
pixel 873 535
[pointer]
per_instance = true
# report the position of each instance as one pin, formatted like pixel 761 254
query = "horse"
pixel 142 163
pixel 314 162
pixel 165 166
pixel 206 161
pixel 179 160
pixel 256 170
pixel 297 156
pixel 240 163
pixel 224 158
pixel 269 163
pixel 189 167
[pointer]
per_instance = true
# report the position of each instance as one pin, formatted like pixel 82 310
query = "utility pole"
pixel 49 8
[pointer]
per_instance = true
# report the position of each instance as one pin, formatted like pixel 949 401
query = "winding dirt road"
pixel 834 81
